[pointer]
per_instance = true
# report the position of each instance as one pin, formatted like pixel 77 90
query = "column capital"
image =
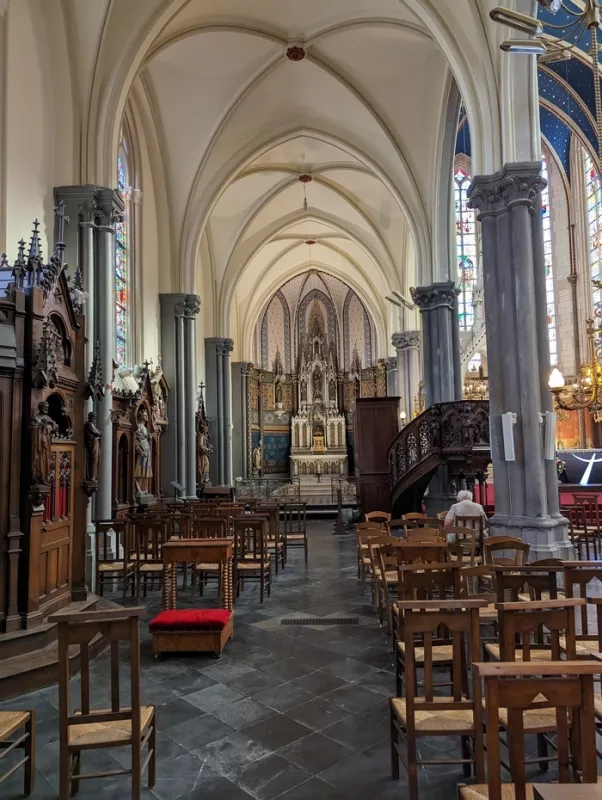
pixel 438 295
pixel 405 340
pixel 223 346
pixel 192 306
pixel 110 208
pixel 515 184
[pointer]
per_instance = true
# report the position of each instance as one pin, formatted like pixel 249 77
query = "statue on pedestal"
pixel 92 444
pixel 43 428
pixel 257 459
pixel 144 467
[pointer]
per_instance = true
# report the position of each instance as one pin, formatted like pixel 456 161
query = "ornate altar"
pixel 318 428
pixel 43 497
pixel 139 418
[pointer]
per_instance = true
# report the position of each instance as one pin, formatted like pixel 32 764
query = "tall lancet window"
pixel 466 249
pixel 549 265
pixel 122 260
pixel 593 191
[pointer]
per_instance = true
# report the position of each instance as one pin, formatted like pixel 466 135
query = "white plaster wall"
pixel 38 119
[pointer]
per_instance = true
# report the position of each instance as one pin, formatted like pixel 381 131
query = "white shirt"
pixel 466 508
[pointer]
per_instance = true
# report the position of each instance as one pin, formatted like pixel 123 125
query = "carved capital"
pixel 437 295
pixel 107 218
pixel 515 184
pixel 179 309
pixel 191 306
pixel 572 279
pixel 406 340
pixel 136 196
pixel 87 211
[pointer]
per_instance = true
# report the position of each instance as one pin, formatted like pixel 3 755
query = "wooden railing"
pixel 455 434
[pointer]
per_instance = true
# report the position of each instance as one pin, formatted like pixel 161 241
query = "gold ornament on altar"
pixel 585 392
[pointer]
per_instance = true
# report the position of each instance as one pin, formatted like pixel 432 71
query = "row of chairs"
pixel 440 625
pixel 129 550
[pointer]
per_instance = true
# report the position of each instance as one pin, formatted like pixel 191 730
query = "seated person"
pixel 465 507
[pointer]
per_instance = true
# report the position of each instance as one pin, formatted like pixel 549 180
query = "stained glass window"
pixel 122 263
pixel 466 250
pixel 593 191
pixel 549 266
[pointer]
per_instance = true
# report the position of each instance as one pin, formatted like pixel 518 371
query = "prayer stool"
pixel 195 630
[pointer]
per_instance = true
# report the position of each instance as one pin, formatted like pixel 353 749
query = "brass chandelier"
pixel 545 41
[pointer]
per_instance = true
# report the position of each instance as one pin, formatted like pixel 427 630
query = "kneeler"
pixel 190 630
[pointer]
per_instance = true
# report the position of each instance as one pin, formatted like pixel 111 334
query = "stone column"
pixel 526 489
pixel 192 306
pixel 438 304
pixel 173 445
pixel 110 209
pixel 407 345
pixel 219 403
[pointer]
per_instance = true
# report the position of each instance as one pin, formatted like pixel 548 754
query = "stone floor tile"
pixel 317 714
pixel 315 753
pixel 277 731
pixel 283 697
pixel 269 777
pixel 242 713
pixel 231 752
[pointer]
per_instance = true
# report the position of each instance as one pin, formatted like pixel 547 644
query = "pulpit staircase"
pixel 452 434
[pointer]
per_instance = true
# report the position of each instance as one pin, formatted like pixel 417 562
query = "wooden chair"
pixel 592 524
pixel 478 583
pixel 128 725
pixel 295 528
pixel 206 528
pixel 564 692
pixel 275 543
pixel 577 578
pixel 17 732
pixel 432 582
pixel 251 557
pixel 148 537
pixel 113 550
pixel 363 552
pixel 476 523
pixel 428 522
pixel 383 569
pixel 535 581
pixel 377 516
pixel 464 545
pixel 430 714
pixel 517 548
pixel 425 535
pixel 532 631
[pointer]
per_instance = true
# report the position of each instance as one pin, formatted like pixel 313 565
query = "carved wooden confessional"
pixel 42 495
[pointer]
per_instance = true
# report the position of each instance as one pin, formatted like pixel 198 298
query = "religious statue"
pixel 278 393
pixel 92 444
pixel 203 451
pixel 303 391
pixel 144 467
pixel 332 391
pixel 257 459
pixel 43 428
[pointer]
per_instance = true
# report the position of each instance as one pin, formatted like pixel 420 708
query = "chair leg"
pixel 394 746
pixel 75 770
pixel 30 754
pixel 542 751
pixel 412 767
pixel 261 584
pixel 64 758
pixel 152 746
pixel 466 768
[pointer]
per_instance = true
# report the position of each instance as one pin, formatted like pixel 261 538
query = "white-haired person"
pixel 465 507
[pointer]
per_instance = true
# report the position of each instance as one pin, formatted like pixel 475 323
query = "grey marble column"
pixel 526 488
pixel 438 304
pixel 192 307
pixel 110 209
pixel 173 455
pixel 407 344
pixel 227 348
pixel 219 404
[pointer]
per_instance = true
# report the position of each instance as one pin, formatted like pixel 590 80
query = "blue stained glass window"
pixel 466 250
pixel 549 265
pixel 122 253
pixel 593 194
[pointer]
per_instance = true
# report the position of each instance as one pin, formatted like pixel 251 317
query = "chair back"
pixel 516 549
pixel 588 501
pixel 148 536
pixel 295 518
pixel 112 542
pixel 527 626
pixel 565 687
pixel 412 519
pixel 537 579
pixel 577 577
pixel 178 526
pixel 478 582
pixel 477 523
pixel 464 544
pixel 421 626
pixel 372 526
pixel 377 516
pixel 426 535
pixel 250 539
pixel 80 629
pixel 429 581
pixel 209 528
pixel 429 522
